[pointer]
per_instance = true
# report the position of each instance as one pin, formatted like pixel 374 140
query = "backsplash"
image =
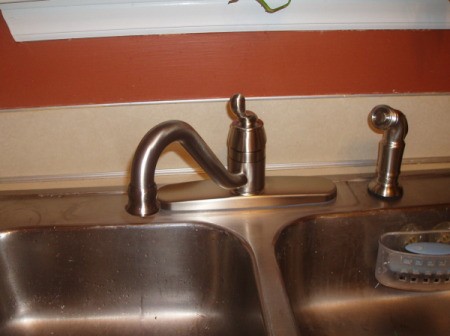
pixel 93 145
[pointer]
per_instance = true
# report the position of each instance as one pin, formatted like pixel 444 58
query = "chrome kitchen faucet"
pixel 242 185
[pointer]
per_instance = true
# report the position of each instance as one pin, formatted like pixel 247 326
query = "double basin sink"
pixel 77 264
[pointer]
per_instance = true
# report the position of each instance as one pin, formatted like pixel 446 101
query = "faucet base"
pixel 385 191
pixel 279 191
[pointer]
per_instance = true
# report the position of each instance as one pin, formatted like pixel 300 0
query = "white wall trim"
pixel 62 19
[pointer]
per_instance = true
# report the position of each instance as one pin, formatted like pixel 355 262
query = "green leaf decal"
pixel 266 7
pixel 269 9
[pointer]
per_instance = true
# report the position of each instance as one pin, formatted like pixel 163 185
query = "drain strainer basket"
pixel 416 261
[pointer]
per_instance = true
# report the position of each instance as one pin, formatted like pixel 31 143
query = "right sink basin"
pixel 328 266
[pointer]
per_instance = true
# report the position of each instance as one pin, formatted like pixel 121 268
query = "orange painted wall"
pixel 173 67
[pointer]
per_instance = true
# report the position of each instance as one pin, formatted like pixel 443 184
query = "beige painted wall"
pixel 92 145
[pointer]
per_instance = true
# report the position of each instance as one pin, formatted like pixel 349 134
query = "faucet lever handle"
pixel 237 103
pixel 246 118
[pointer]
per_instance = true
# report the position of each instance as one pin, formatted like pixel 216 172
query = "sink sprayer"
pixel 390 151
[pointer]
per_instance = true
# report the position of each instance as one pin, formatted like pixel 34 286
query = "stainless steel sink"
pixel 74 262
pixel 328 267
pixel 159 279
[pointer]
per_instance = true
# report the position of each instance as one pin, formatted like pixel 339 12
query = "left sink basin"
pixel 160 279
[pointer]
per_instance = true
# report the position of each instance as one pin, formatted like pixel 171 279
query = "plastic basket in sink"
pixel 418 261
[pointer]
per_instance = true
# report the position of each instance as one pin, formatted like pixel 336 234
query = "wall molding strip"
pixel 222 100
pixel 192 171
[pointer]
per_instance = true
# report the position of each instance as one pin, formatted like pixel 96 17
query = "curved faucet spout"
pixel 142 189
